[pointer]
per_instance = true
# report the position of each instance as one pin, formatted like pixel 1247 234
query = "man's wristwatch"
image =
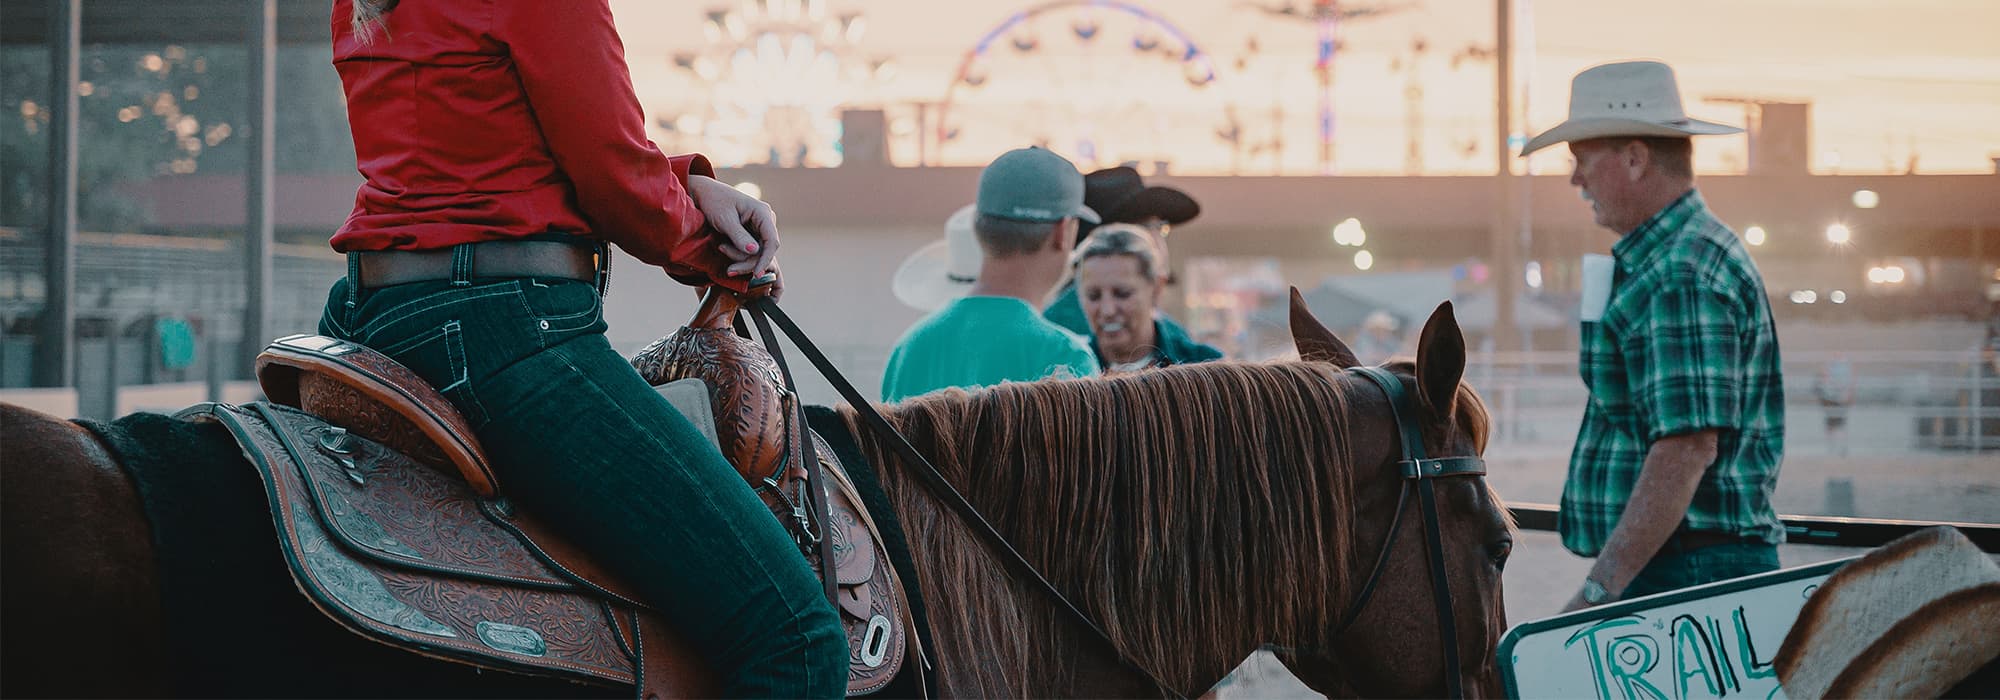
pixel 1594 593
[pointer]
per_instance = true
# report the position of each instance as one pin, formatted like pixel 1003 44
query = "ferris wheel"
pixel 1101 81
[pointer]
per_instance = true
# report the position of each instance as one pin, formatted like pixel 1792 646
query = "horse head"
pixel 1391 643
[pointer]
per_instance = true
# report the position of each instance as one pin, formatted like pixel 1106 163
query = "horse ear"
pixel 1314 341
pixel 1440 361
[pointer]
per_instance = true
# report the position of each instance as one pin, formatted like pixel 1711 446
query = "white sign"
pixel 1712 641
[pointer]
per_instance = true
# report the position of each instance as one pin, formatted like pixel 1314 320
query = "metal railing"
pixel 1808 529
pixel 1894 401
pixel 124 280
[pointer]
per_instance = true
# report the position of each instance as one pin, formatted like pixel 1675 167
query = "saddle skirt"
pixel 395 527
pixel 411 557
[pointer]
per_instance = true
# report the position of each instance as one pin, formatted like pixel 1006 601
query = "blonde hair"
pixel 1119 239
pixel 368 17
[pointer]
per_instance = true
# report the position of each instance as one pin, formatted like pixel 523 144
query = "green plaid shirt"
pixel 1685 344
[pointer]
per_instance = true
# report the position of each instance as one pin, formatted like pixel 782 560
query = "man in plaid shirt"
pixel 1670 483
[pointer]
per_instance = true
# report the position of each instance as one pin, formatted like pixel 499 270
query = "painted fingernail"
pixel 752 248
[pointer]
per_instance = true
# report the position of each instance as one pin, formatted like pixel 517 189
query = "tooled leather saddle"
pixel 393 523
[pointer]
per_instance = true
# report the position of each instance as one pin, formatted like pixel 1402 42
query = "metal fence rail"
pixel 126 279
pixel 1807 529
pixel 1900 400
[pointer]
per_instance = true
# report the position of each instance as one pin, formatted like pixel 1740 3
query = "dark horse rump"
pixel 236 625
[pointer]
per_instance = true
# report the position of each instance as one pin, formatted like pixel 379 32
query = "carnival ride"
pixel 1103 81
pixel 774 75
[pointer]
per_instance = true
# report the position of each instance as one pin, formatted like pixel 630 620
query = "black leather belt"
pixel 1690 540
pixel 489 259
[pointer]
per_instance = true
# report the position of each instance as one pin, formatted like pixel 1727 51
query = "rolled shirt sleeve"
pixel 1686 361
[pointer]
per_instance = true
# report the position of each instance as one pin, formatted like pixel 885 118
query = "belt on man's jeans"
pixel 489 259
pixel 1690 540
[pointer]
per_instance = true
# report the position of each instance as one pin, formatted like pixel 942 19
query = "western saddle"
pixel 436 560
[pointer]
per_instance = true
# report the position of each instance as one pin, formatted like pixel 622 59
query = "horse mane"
pixel 1161 503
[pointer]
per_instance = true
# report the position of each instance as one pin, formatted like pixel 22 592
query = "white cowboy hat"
pixel 944 270
pixel 1633 98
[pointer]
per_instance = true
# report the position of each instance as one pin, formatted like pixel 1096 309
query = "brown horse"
pixel 1197 513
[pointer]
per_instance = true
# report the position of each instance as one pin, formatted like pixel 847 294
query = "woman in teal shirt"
pixel 1118 284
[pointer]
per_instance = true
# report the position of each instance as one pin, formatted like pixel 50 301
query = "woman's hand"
pixel 749 224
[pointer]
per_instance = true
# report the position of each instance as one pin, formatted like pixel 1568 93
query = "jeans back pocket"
pixel 561 306
pixel 438 356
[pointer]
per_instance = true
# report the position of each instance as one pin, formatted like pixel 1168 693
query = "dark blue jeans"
pixel 579 439
pixel 1674 568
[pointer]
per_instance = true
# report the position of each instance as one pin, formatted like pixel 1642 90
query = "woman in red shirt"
pixel 502 146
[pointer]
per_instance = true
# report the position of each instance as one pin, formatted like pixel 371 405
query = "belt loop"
pixel 353 280
pixel 461 265
pixel 603 253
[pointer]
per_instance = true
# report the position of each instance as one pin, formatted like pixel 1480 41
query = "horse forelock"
pixel 1194 512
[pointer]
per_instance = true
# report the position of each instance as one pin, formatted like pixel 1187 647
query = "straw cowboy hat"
pixel 943 270
pixel 1912 619
pixel 1633 98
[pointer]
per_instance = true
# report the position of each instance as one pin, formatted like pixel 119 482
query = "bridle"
pixel 1415 468
pixel 1419 474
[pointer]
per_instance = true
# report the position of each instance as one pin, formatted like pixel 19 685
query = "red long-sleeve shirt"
pixel 478 120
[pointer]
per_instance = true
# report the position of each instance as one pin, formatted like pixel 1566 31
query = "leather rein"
pixel 1415 467
pixel 1420 474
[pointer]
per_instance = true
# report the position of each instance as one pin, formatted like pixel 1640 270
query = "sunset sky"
pixel 1887 80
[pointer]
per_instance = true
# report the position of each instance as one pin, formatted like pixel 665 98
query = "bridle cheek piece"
pixel 1419 474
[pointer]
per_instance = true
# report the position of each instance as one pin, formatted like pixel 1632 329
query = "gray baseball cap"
pixel 1032 184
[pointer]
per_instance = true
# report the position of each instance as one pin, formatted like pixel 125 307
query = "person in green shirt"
pixel 1022 228
pixel 1675 463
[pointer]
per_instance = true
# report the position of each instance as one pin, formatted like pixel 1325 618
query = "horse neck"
pixel 1211 541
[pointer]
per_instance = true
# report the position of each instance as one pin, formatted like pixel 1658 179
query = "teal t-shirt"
pixel 983 341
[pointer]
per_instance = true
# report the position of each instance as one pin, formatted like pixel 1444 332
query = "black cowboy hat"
pixel 1119 195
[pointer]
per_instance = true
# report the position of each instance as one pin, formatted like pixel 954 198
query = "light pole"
pixel 1505 238
pixel 55 341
